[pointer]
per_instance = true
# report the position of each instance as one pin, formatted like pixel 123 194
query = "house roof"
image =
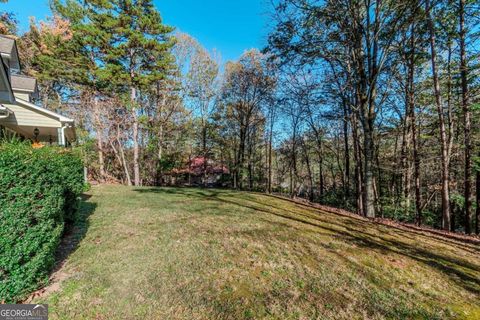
pixel 8 50
pixel 200 165
pixel 6 93
pixel 6 45
pixel 24 83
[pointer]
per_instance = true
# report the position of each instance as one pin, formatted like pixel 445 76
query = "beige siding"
pixel 25 117
pixel 21 95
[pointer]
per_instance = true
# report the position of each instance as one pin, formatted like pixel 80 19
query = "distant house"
pixel 19 116
pixel 199 172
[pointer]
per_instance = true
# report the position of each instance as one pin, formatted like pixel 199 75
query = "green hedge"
pixel 39 190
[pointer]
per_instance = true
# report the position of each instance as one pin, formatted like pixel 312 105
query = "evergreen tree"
pixel 139 57
pixel 131 47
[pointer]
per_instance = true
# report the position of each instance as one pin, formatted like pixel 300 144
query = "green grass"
pixel 213 254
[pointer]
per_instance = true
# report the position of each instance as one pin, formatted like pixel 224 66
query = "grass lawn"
pixel 212 254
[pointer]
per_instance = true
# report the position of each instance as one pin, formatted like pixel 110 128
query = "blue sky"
pixel 230 26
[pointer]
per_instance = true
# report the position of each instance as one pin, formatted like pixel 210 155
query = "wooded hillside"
pixel 371 106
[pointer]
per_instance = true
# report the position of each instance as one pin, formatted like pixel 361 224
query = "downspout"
pixel 62 136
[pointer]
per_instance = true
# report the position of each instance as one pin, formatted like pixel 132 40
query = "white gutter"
pixel 4 112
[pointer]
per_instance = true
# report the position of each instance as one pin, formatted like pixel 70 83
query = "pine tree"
pixel 131 47
pixel 139 57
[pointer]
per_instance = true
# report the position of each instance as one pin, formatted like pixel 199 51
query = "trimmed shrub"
pixel 39 192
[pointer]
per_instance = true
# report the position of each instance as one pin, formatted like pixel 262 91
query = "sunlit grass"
pixel 213 254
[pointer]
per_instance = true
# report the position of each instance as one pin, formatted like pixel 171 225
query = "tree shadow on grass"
pixel 74 232
pixel 414 235
pixel 350 230
pixel 198 193
pixel 460 271
pixel 448 238
pixel 72 236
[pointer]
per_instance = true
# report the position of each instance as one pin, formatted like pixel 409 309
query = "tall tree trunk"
pixel 466 119
pixel 318 138
pixel 309 170
pixel 293 165
pixel 446 223
pixel 160 102
pixel 346 151
pixel 405 163
pixel 477 210
pixel 411 106
pixel 269 186
pixel 241 155
pixel 99 127
pixel 291 182
pixel 120 154
pixel 321 182
pixel 236 160
pixel 136 151
pixel 416 171
pixel 395 173
pixel 250 160
pixel 358 165
pixel 204 151
pixel 160 156
pixel 124 162
pixel 377 183
pixel 366 57
pixel 101 160
pixel 321 178
pixel 338 148
pixel 369 158
pixel 449 121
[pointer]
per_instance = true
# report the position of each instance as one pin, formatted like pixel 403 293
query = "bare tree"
pixel 247 82
pixel 446 223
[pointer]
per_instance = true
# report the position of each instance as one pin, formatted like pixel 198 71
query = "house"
pixel 19 115
pixel 199 171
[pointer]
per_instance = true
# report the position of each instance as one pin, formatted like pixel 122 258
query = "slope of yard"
pixel 213 254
